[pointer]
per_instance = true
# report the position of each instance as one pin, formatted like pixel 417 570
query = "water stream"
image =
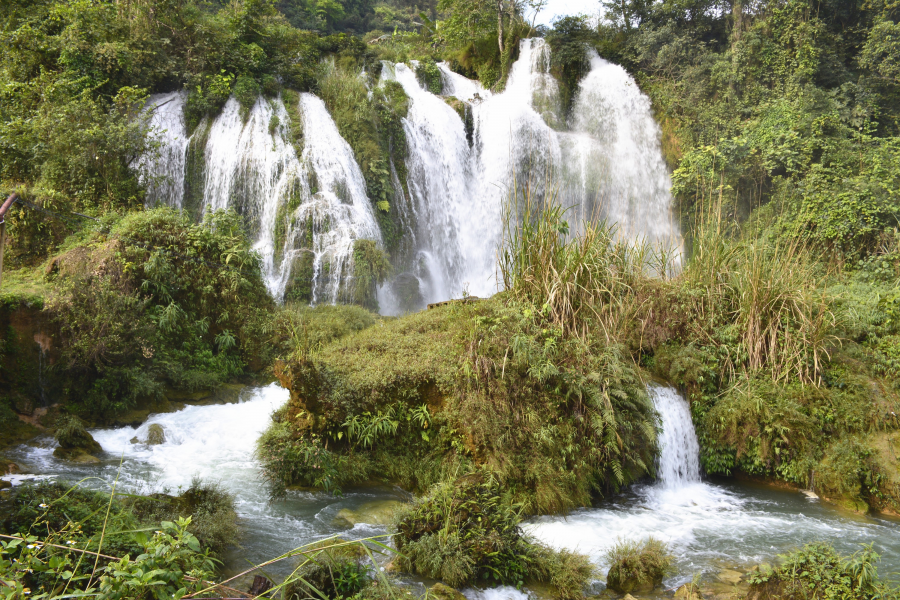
pixel 709 525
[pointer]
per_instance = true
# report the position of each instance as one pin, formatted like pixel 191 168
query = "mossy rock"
pixel 4 485
pixel 156 435
pixel 439 591
pixel 638 566
pixel 75 442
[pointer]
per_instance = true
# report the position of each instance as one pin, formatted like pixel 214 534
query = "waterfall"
pixel 614 168
pixel 679 451
pixel 305 200
pixel 163 171
pixel 304 212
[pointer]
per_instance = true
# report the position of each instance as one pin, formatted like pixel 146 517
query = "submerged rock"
pixel 729 576
pixel 377 512
pixel 156 435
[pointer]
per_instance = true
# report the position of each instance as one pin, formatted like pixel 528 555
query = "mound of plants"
pixel 637 566
pixel 817 571
pixel 466 532
pixel 557 418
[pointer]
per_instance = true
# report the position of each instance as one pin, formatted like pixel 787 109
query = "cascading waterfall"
pixel 614 168
pixel 306 202
pixel 679 451
pixel 165 185
pixel 304 212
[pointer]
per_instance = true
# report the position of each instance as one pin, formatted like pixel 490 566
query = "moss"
pixel 73 438
pixel 291 100
pixel 195 171
pixel 429 76
pixel 371 266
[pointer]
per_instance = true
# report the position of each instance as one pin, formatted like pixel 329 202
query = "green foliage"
pixel 465 532
pixel 213 519
pixel 172 305
pixel 575 417
pixel 299 330
pixel 429 76
pixel 246 91
pixel 816 571
pixel 637 566
pixel 335 572
pixel 371 266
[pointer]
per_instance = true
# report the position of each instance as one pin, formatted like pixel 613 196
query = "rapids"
pixel 709 525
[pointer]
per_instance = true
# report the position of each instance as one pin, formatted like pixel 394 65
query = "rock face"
pixel 156 435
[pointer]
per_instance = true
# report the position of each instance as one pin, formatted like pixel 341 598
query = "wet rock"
pixel 134 440
pixel 688 592
pixel 75 455
pixel 439 591
pixel 156 435
pixel 377 512
pixel 729 576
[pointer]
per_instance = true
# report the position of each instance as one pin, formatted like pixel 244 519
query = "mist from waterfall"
pixel 306 202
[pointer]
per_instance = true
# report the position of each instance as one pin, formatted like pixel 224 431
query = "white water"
pixel 165 168
pixel 709 526
pixel 215 443
pixel 252 167
pixel 605 158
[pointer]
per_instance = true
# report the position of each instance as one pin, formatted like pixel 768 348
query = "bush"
pixel 213 519
pixel 333 568
pixel 637 566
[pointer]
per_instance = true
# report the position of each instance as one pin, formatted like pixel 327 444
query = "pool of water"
pixel 709 525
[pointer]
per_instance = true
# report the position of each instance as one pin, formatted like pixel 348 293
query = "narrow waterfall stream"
pixel 709 526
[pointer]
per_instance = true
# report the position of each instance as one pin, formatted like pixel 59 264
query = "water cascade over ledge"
pixel 306 201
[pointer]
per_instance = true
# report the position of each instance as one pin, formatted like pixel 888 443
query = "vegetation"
pixel 466 532
pixel 816 571
pixel 637 566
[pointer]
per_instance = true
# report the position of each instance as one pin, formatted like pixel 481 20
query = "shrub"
pixel 333 569
pixel 637 566
pixel 213 519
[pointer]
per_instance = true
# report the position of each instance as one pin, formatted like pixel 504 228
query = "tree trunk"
pixel 737 14
pixel 625 15
pixel 500 25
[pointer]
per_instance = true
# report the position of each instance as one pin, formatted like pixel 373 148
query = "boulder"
pixel 75 455
pixel 156 435
pixel 439 591
pixel 74 440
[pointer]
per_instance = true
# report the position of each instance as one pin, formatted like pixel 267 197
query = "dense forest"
pixel 780 324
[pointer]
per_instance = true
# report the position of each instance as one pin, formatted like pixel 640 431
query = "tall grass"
pixel 758 298
pixel 579 282
pixel 766 296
